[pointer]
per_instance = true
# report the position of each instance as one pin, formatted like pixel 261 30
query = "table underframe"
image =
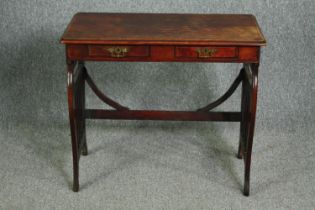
pixel 78 77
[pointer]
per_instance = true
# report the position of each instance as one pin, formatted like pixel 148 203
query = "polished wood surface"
pixel 159 53
pixel 147 28
pixel 162 37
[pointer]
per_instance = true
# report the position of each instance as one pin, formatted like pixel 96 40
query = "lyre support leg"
pixel 251 72
pixel 73 126
pixel 81 107
pixel 244 101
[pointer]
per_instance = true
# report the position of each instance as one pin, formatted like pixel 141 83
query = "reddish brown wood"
pixel 244 113
pixel 73 127
pixel 158 38
pixel 191 52
pixel 164 53
pixel 250 118
pixel 79 90
pixel 161 29
pixel 249 54
pixel 133 50
pixel 162 115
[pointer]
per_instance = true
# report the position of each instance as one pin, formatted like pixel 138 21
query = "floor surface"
pixel 154 165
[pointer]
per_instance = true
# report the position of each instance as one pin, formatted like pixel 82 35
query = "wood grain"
pixel 148 28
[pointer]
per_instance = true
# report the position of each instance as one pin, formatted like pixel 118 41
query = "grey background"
pixel 155 165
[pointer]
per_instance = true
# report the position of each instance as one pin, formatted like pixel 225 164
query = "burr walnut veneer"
pixel 145 37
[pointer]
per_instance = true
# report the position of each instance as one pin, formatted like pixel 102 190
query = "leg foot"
pixel 246 179
pixel 246 191
pixel 75 187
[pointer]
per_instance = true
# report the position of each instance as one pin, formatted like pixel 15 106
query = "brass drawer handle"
pixel 118 52
pixel 205 52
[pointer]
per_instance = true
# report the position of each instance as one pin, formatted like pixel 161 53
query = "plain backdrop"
pixel 33 103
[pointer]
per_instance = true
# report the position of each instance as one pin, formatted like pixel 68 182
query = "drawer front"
pixel 205 52
pixel 163 53
pixel 119 51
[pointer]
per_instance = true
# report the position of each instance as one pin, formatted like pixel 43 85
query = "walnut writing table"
pixel 162 37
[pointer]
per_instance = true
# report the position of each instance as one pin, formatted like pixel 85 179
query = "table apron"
pixel 160 53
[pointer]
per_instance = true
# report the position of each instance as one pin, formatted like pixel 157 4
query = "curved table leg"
pixel 73 125
pixel 249 110
pixel 80 104
pixel 244 110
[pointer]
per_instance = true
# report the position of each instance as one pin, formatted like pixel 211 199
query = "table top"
pixel 159 28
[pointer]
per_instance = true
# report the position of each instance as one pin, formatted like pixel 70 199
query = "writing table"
pixel 144 37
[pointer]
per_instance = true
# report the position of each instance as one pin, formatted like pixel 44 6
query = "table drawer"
pixel 205 52
pixel 119 51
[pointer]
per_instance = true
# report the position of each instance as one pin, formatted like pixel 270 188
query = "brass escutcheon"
pixel 205 52
pixel 118 52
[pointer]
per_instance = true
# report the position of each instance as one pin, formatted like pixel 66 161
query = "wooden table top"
pixel 159 28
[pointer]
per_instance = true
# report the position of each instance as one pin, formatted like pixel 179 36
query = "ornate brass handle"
pixel 118 52
pixel 205 52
